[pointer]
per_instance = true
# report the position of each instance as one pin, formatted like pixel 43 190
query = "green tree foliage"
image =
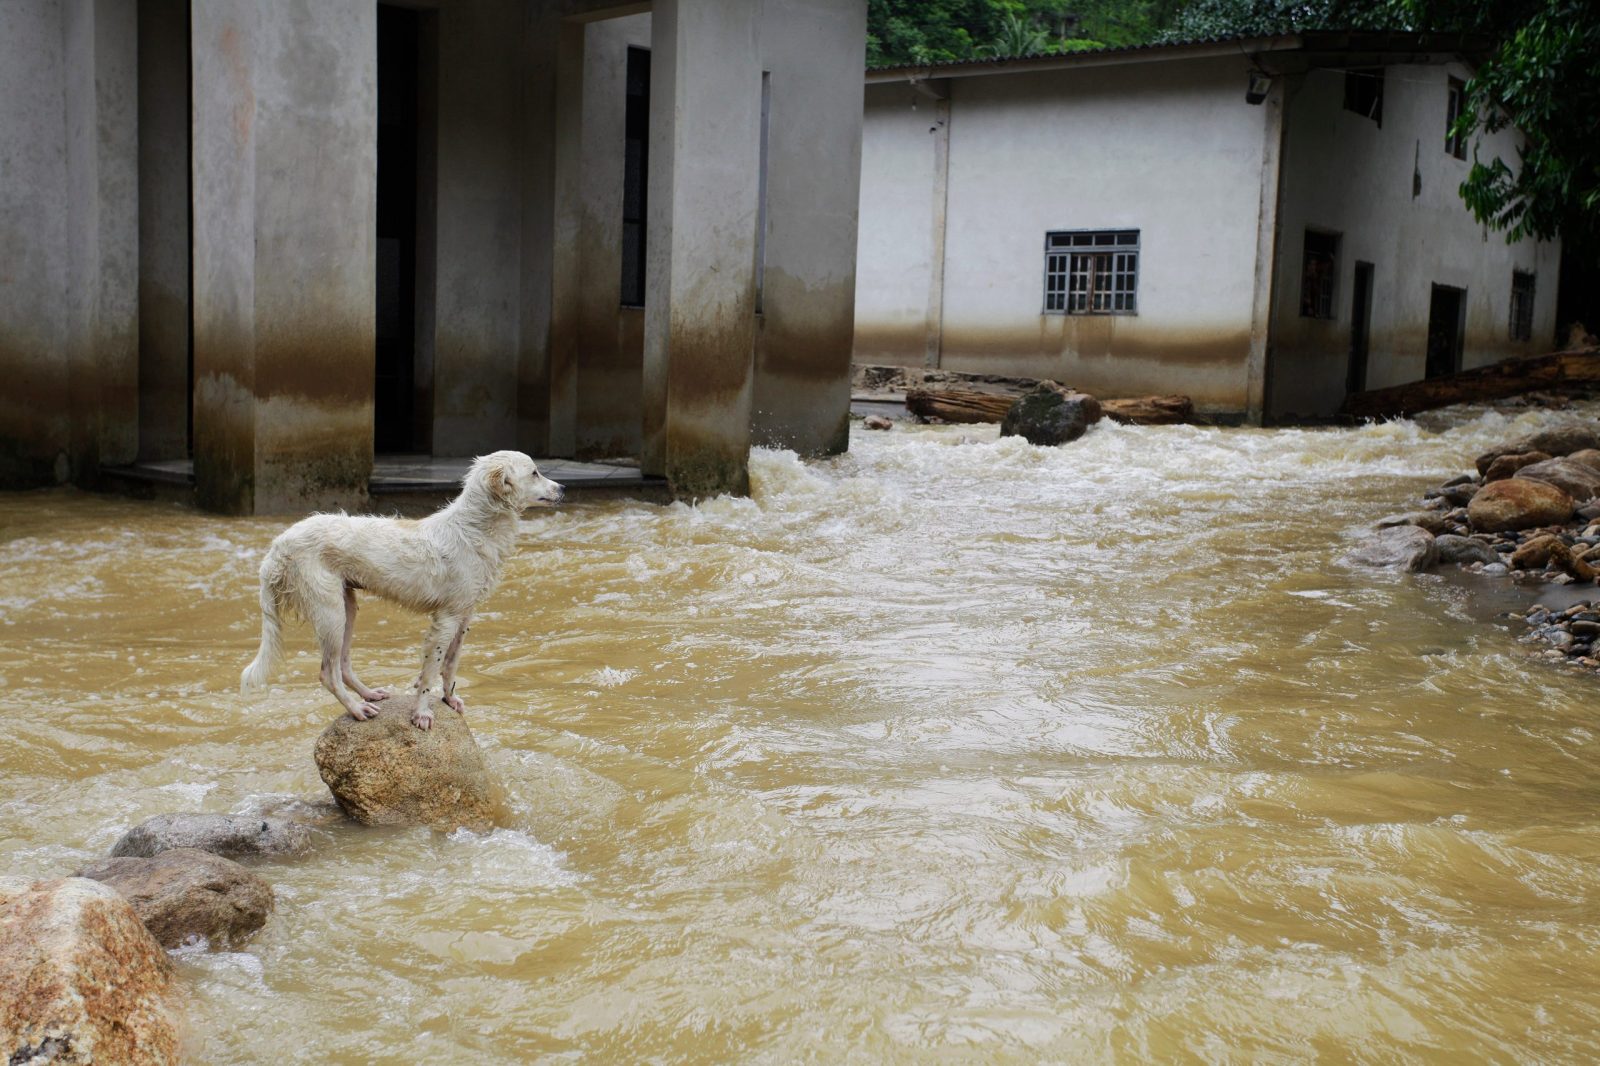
pixel 909 32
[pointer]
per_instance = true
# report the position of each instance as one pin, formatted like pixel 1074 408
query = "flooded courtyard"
pixel 950 748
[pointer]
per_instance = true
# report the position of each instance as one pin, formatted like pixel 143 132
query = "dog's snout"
pixel 557 491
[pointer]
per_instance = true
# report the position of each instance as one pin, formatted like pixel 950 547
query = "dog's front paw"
pixel 362 712
pixel 455 703
pixel 422 718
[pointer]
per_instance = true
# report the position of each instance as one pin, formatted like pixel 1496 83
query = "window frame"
pixel 1075 282
pixel 1362 82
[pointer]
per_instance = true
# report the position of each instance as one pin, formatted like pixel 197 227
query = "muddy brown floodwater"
pixel 951 748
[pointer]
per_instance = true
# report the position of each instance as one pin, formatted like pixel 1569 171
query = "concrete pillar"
pixel 812 51
pixel 35 429
pixel 478 223
pixel 285 147
pixel 700 288
pixel 163 229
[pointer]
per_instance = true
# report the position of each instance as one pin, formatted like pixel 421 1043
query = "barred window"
pixel 1091 272
pixel 1521 306
pixel 1455 103
pixel 1317 273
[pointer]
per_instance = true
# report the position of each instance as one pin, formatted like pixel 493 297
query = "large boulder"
pixel 1588 457
pixel 232 836
pixel 81 979
pixel 1507 465
pixel 1051 414
pixel 1578 480
pixel 1398 548
pixel 1518 503
pixel 185 895
pixel 1556 441
pixel 386 771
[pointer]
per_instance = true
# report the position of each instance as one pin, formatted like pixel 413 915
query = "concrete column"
pixel 812 49
pixel 35 429
pixel 163 229
pixel 285 155
pixel 700 287
pixel 478 227
pixel 1261 332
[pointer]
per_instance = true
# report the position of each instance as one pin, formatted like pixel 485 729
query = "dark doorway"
pixel 1447 319
pixel 1360 328
pixel 395 385
pixel 635 176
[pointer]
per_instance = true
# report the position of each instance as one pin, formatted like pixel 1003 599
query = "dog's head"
pixel 513 481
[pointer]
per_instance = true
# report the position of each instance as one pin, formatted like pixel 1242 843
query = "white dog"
pixel 444 566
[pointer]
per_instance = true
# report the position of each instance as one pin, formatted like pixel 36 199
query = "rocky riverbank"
pixel 1530 516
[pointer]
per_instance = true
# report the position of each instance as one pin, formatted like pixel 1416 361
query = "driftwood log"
pixel 960 405
pixel 1150 410
pixel 1493 382
pixel 955 404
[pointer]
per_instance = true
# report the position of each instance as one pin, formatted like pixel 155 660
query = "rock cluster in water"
pixel 1530 514
pixel 83 977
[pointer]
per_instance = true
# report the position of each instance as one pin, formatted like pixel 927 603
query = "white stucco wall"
pixel 1168 148
pixel 1345 174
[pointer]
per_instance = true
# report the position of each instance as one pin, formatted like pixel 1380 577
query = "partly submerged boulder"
pixel 232 836
pixel 386 771
pixel 1051 414
pixel 1518 503
pixel 1402 547
pixel 1578 480
pixel 184 895
pixel 1464 550
pixel 81 979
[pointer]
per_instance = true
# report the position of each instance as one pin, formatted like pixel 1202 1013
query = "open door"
pixel 1360 327
pixel 1447 320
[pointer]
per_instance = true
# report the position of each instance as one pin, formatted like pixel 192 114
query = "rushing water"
pixel 951 748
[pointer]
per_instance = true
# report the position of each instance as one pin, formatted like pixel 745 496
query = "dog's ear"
pixel 498 479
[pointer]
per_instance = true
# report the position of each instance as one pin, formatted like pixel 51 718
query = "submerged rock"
pixel 1518 503
pixel 1576 479
pixel 1051 414
pixel 81 979
pixel 185 894
pixel 1398 548
pixel 877 422
pixel 1432 521
pixel 1464 550
pixel 386 771
pixel 232 836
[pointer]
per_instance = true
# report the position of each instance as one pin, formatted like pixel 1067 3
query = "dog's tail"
pixel 274 586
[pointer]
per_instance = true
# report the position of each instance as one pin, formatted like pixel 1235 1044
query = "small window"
pixel 1317 274
pixel 1091 272
pixel 1521 306
pixel 1363 93
pixel 1454 142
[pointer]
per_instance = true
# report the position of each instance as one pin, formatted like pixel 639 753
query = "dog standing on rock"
pixel 443 566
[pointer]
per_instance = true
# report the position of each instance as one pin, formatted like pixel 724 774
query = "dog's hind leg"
pixel 370 695
pixel 325 611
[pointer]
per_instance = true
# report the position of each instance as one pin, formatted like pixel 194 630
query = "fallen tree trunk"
pixel 1150 410
pixel 959 405
pixel 1493 382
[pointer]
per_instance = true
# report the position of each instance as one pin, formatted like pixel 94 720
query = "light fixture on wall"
pixel 1260 85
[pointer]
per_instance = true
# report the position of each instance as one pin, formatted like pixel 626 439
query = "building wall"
pixel 1170 149
pixel 1390 192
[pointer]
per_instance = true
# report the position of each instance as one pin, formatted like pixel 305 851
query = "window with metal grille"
pixel 1363 93
pixel 1317 273
pixel 635 176
pixel 1455 143
pixel 1521 306
pixel 1091 272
